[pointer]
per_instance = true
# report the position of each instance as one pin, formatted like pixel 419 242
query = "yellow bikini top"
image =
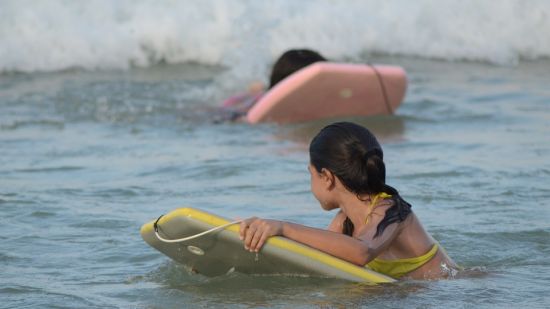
pixel 400 267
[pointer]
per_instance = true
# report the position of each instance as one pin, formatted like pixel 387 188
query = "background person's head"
pixel 290 62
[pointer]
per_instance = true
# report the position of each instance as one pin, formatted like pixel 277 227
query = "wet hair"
pixel 290 62
pixel 352 153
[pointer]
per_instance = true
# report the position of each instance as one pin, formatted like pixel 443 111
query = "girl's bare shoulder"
pixel 337 223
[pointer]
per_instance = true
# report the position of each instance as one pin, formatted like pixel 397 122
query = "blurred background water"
pixel 106 122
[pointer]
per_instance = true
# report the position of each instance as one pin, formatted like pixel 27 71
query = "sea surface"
pixel 104 129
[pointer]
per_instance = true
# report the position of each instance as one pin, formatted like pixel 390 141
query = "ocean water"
pixel 107 121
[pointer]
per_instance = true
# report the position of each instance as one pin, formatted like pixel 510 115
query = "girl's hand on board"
pixel 255 231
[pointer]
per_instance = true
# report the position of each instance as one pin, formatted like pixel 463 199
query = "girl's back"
pixel 414 247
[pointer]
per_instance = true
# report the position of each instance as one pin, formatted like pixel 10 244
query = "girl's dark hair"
pixel 290 62
pixel 352 153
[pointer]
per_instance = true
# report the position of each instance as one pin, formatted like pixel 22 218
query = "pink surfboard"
pixel 327 90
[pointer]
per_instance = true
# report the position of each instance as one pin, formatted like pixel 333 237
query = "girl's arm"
pixel 254 232
pixel 337 244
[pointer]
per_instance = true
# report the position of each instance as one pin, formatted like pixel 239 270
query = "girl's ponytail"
pixel 376 173
pixel 398 212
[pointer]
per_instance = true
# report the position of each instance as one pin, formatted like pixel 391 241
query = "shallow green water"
pixel 87 157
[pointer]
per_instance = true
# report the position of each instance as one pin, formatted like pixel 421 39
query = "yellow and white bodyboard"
pixel 222 252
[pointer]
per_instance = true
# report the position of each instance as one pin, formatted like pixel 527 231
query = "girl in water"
pixel 374 226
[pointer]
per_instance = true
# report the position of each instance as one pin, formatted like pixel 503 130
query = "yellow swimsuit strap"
pixel 373 202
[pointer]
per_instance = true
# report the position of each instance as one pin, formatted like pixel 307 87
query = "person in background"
pixel 289 62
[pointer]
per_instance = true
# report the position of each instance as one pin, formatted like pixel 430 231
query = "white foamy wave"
pixel 494 31
pixel 55 35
